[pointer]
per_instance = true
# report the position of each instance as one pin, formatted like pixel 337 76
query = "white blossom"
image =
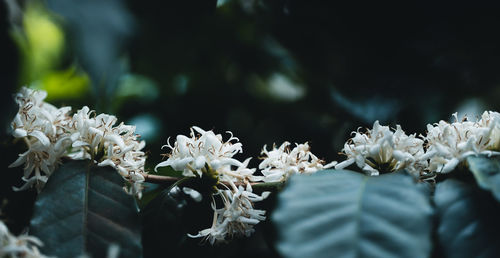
pixel 448 144
pixel 43 128
pixel 384 150
pixel 191 154
pixel 49 132
pixel 23 246
pixel 280 163
pixel 237 217
pixel 240 173
pixel 205 153
pixel 115 146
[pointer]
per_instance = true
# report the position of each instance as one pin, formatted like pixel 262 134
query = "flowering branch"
pixel 204 154
pixel 159 179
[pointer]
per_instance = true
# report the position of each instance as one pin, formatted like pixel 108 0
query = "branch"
pixel 259 186
pixel 157 179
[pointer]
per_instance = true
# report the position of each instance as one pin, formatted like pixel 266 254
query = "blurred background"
pixel 268 71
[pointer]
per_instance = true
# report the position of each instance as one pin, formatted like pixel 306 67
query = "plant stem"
pixel 157 179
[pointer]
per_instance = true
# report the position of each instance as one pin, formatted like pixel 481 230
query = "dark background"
pixel 168 65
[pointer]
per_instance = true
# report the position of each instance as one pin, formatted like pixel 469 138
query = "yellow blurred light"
pixel 67 84
pixel 41 42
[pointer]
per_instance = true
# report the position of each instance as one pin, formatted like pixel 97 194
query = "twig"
pixel 157 179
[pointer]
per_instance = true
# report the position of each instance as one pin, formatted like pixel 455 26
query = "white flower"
pixel 449 144
pixel 382 150
pixel 43 128
pixel 18 247
pixel 89 132
pixel 124 153
pixel 49 133
pixel 116 146
pixel 241 173
pixel 206 154
pixel 41 160
pixel 37 118
pixel 237 217
pixel 280 163
pixel 191 154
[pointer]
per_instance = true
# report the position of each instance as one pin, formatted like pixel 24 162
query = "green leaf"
pixel 487 173
pixel 468 221
pixel 340 213
pixel 168 171
pixel 83 209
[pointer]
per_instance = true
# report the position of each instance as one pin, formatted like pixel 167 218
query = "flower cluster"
pixel 99 139
pixel 450 143
pixel 23 246
pixel 51 133
pixel 237 217
pixel 382 150
pixel 190 154
pixel 43 128
pixel 205 153
pixel 280 163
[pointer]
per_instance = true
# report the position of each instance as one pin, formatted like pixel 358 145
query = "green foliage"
pixel 168 171
pixel 40 40
pixel 98 43
pixel 487 173
pixel 346 214
pixel 467 220
pixel 65 84
pixel 341 213
pixel 83 209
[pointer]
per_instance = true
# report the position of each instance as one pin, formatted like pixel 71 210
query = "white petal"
pixel 450 165
pixel 195 195
pixel 77 144
pixel 41 137
pixel 199 162
pixel 106 162
pixel 19 161
pixel 115 139
pixel 345 163
pixel 18 133
pixel 331 164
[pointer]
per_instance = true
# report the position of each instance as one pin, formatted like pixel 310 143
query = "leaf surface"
pixel 84 209
pixel 487 173
pixel 468 220
pixel 340 213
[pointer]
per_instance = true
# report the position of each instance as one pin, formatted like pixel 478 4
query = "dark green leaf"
pixel 168 171
pixel 468 220
pixel 83 209
pixel 346 214
pixel 487 173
